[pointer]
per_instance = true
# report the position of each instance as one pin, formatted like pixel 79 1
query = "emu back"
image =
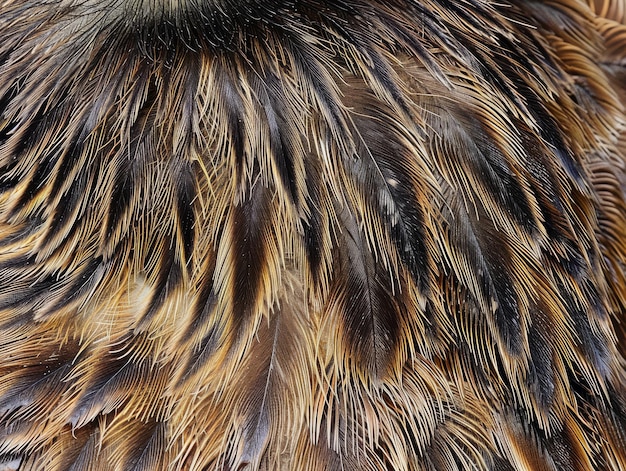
pixel 307 235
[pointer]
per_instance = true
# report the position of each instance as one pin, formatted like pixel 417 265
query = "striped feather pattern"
pixel 318 235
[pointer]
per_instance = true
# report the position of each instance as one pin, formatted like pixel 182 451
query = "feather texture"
pixel 317 235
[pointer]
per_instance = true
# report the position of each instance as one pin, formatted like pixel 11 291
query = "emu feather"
pixel 312 235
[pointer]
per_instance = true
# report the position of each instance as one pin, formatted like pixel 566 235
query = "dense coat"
pixel 312 235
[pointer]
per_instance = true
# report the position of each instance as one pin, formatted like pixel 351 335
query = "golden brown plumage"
pixel 312 235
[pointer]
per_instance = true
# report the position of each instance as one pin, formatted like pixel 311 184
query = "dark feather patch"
pixel 186 185
pixel 249 230
pixel 501 288
pixel 234 110
pixel 313 225
pixel 111 386
pixel 387 171
pixel 281 132
pixel 541 375
pixel 481 247
pixel 365 300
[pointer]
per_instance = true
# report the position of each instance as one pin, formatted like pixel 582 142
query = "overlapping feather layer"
pixel 351 235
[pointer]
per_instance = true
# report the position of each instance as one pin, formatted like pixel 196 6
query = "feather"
pixel 279 235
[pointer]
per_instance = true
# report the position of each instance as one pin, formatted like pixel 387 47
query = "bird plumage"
pixel 320 235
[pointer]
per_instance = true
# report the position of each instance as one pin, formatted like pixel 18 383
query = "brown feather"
pixel 317 235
